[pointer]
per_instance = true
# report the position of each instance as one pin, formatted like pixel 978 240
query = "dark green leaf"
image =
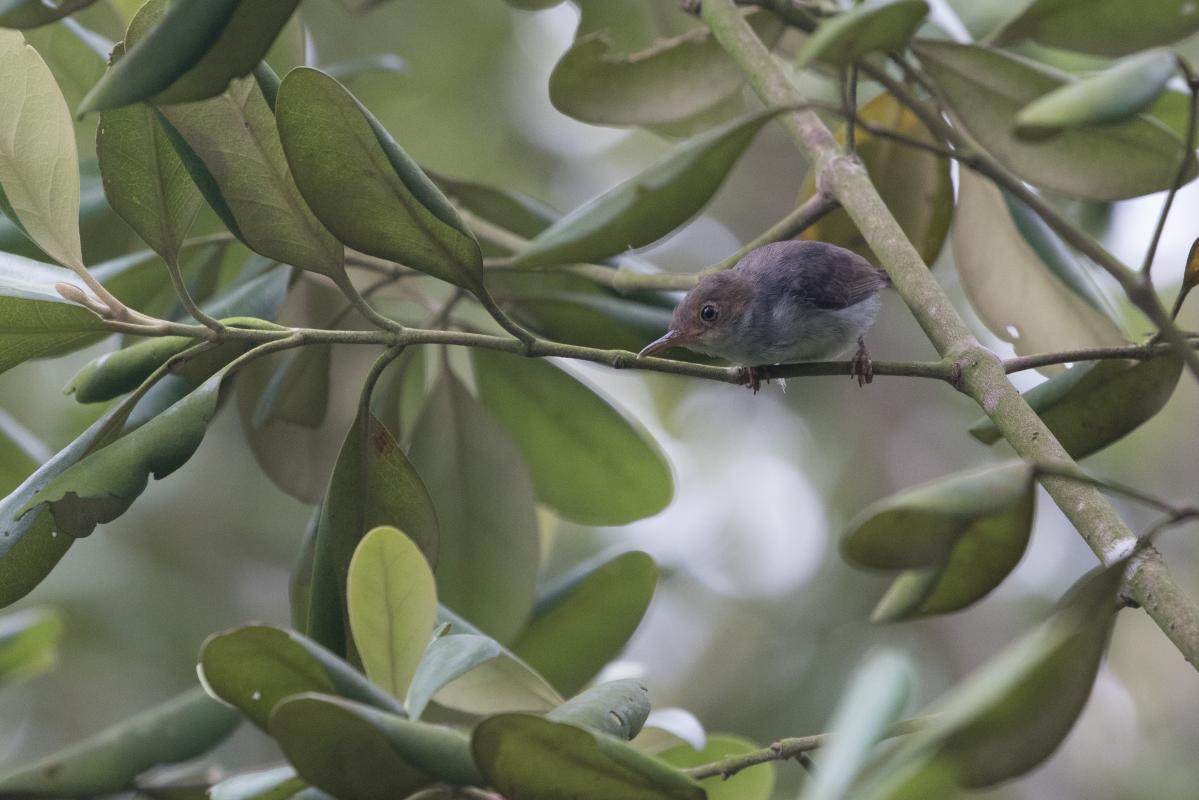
pixel 588 461
pixel 987 89
pixel 749 784
pixel 28 643
pixel 446 659
pixel 1092 405
pixel 1117 94
pixel 372 484
pixel 870 27
pixel 35 321
pixel 584 621
pixel 648 206
pixel 487 566
pixel 671 80
pixel 530 758
pixel 33 13
pixel 512 211
pixel 1102 27
pixel 298 391
pixel 113 374
pixel 616 708
pixel 256 667
pixel 365 188
pixel 110 761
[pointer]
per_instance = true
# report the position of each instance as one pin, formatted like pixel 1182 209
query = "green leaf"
pixel 255 667
pixel 584 620
pixel 1013 290
pixel 915 184
pixel 231 148
pixel 487 565
pixel 1095 404
pixel 1190 275
pixel 588 461
pixel 749 784
pixel 366 189
pixel 373 484
pixel 20 452
pixel 35 321
pixel 987 89
pixel 110 761
pixel 671 80
pixel 958 538
pixel 446 659
pixel 392 603
pixel 113 374
pixel 667 728
pixel 34 13
pixel 1117 94
pixel 530 758
pixel 298 391
pixel 513 211
pixel 358 753
pixel 39 170
pixel 870 27
pixel 275 783
pixel 649 205
pixel 145 180
pixel 616 708
pixel 28 643
pixel 877 696
pixel 1101 27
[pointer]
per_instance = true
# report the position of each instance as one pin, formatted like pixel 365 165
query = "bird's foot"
pixel 753 378
pixel 861 367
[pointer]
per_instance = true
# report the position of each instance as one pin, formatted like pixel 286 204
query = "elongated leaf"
pixel 392 603
pixel 869 27
pixel 1009 285
pixel 1114 95
pixel 446 659
pixel 487 566
pixel 749 784
pixel 1091 406
pixel 28 643
pixel 584 621
pixel 876 698
pixel 109 761
pixel 276 783
pixel 588 461
pixel 373 484
pixel 530 758
pixel 256 667
pixel 365 188
pixel 34 13
pixel 39 171
pixel 671 80
pixel 648 206
pixel 616 708
pixel 1102 27
pixel 958 538
pixel 358 753
pixel 915 184
pixel 35 321
pixel 121 371
pixel 298 391
pixel 231 148
pixel 987 89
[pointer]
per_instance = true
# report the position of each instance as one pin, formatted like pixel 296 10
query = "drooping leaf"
pixel 1102 27
pixel 1015 294
pixel 956 539
pixel 649 205
pixel 356 752
pixel 870 27
pixel 588 461
pixel 373 484
pixel 274 783
pixel 109 762
pixel 531 758
pixel 748 784
pixel 487 565
pixel 298 391
pixel 1117 94
pixel 1095 404
pixel 915 184
pixel 616 708
pixel 446 659
pixel 392 603
pixel 877 695
pixel 255 667
pixel 35 13
pixel 366 189
pixel 39 170
pixel 671 80
pixel 987 88
pixel 28 643
pixel 583 622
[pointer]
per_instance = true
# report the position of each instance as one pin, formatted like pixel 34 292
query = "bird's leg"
pixel 753 378
pixel 861 367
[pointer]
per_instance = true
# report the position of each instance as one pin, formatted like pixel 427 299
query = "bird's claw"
pixel 861 367
pixel 752 377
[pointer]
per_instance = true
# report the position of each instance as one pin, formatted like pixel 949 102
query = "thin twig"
pixel 1188 160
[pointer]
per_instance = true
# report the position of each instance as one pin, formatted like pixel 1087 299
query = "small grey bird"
pixel 783 302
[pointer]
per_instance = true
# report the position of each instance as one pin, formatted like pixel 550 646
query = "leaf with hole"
pixel 616 708
pixel 874 26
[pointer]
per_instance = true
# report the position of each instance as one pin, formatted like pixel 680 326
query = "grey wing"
pixel 817 273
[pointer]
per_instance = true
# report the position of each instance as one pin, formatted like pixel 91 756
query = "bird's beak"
pixel 670 339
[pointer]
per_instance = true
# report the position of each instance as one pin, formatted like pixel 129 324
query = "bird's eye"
pixel 709 313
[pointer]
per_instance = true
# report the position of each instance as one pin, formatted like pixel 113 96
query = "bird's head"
pixel 710 317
